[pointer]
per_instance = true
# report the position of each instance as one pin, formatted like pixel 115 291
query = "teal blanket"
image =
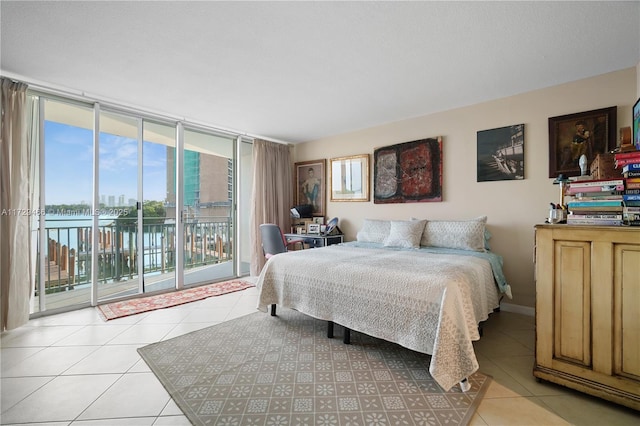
pixel 494 259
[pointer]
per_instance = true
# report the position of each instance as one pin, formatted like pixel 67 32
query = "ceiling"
pixel 300 71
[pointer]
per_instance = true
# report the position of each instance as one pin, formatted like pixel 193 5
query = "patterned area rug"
pixel 264 370
pixel 166 300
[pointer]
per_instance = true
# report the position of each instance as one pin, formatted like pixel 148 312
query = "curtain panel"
pixel 15 207
pixel 272 194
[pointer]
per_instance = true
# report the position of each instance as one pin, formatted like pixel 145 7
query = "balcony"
pixel 68 257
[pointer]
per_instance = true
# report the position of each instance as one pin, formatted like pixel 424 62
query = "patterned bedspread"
pixel 424 301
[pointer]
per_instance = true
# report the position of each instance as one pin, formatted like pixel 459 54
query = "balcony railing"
pixel 207 240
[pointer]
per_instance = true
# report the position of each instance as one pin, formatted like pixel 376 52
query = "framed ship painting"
pixel 501 154
pixel 409 172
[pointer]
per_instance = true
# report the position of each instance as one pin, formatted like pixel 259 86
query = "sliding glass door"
pixel 207 209
pixel 159 226
pixel 63 273
pixel 118 249
pixel 133 206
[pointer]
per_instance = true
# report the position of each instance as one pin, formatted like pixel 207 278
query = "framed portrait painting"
pixel 310 185
pixel 586 133
pixel 409 172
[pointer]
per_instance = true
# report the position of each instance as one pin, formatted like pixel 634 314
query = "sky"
pixel 69 166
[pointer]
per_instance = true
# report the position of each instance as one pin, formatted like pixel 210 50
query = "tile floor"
pixel 75 369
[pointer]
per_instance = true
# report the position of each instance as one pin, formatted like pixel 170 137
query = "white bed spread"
pixel 430 303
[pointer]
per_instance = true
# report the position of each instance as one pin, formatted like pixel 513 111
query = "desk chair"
pixel 274 241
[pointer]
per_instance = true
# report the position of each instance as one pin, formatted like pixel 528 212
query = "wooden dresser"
pixel 588 310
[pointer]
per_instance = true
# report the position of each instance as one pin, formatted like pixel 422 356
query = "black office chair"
pixel 273 240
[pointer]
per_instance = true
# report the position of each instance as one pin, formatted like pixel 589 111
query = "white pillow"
pixel 374 231
pixel 456 234
pixel 405 233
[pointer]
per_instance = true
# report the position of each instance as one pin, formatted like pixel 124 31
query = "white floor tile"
pixel 134 395
pixel 61 399
pixel 107 360
pixel 208 315
pixel 80 317
pixel 21 387
pixel 188 327
pixel 171 409
pixel 50 361
pixel 180 420
pixel 94 334
pixel 135 421
pixel 12 356
pixel 140 367
pixel 142 333
pixel 38 336
pixel 165 316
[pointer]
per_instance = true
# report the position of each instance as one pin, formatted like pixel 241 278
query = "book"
pixel 633 185
pixel 594 189
pixel 611 195
pixel 630 167
pixel 604 222
pixel 631 174
pixel 628 154
pixel 625 161
pixel 596 182
pixel 595 210
pixel 596 216
pixel 631 216
pixel 595 203
pixel 631 197
pixel 631 191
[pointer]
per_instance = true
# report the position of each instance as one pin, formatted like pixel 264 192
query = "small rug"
pixel 264 370
pixel 166 300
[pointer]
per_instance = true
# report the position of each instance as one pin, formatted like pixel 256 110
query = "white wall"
pixel 513 207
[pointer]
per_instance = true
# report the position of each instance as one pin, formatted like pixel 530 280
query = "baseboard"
pixel 518 309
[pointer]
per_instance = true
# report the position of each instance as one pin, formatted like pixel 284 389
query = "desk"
pixel 316 240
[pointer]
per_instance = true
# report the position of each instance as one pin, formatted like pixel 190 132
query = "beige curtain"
pixel 15 217
pixel 272 193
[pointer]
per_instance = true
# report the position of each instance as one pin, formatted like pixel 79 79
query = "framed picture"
pixel 318 219
pixel 313 228
pixel 310 187
pixel 350 178
pixel 409 172
pixel 586 133
pixel 501 153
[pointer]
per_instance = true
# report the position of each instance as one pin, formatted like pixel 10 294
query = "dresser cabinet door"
pixel 572 303
pixel 626 320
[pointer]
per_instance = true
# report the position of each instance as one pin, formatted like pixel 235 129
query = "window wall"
pixel 133 204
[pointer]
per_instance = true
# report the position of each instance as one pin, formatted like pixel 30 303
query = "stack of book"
pixel 595 202
pixel 629 165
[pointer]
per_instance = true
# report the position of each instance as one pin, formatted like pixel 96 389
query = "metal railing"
pixel 67 256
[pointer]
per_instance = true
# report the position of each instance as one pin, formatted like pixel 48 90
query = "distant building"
pixel 208 185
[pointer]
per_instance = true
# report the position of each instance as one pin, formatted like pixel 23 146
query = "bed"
pixel 395 284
